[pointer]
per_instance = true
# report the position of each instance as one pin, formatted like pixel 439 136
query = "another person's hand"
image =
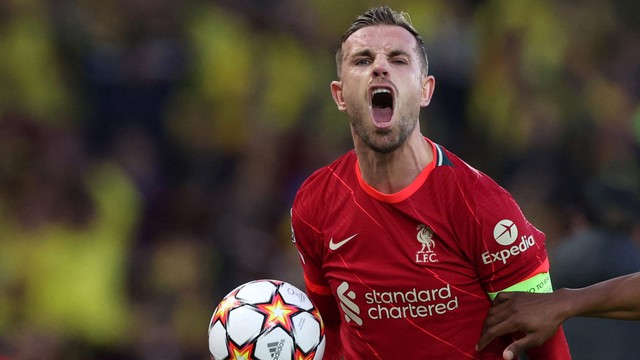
pixel 537 316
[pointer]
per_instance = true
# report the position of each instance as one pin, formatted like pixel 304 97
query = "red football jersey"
pixel 410 271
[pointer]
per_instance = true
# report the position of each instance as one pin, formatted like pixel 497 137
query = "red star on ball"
pixel 278 312
pixel 241 353
pixel 316 314
pixel 222 311
pixel 300 356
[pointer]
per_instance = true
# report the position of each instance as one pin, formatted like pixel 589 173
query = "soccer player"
pixel 539 315
pixel 402 244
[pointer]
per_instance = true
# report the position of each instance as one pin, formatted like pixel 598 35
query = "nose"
pixel 380 68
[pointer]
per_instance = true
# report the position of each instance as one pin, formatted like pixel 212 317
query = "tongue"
pixel 382 115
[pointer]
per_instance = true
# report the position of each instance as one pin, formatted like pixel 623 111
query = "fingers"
pixel 514 349
pixel 494 327
pixel 485 340
pixel 502 297
pixel 517 347
pixel 496 315
pixel 508 355
pixel 497 322
pixel 490 333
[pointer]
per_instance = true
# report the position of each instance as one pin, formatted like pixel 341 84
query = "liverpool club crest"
pixel 426 254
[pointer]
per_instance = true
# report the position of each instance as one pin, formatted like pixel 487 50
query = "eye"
pixel 362 62
pixel 399 61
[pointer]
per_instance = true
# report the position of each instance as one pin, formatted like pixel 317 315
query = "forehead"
pixel 380 38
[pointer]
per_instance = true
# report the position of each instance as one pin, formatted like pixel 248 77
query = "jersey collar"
pixel 438 160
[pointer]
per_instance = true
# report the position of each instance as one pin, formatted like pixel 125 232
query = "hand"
pixel 537 316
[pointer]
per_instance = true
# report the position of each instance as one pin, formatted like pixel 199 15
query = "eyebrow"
pixel 363 52
pixel 369 53
pixel 398 52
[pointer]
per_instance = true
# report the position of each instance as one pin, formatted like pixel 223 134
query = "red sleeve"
pixel 309 244
pixel 508 248
pixel 328 308
pixel 511 250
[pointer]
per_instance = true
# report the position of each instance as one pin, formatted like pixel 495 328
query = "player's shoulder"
pixel 322 179
pixel 461 175
pixel 454 165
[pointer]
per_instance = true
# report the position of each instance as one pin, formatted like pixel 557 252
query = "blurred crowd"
pixel 150 150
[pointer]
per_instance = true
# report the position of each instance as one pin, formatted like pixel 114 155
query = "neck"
pixel 392 172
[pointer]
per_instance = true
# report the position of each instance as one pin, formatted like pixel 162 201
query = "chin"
pixel 384 145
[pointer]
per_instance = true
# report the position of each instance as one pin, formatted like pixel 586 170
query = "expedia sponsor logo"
pixel 411 304
pixel 505 232
pixel 502 256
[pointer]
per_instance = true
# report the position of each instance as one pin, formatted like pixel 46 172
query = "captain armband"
pixel 540 283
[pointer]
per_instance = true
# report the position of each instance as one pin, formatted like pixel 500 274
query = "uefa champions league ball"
pixel 266 320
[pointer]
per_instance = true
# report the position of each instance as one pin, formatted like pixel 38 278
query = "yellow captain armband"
pixel 540 283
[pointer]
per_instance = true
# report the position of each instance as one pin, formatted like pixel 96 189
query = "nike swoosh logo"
pixel 335 246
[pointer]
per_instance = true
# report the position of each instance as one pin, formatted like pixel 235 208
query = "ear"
pixel 428 85
pixel 336 92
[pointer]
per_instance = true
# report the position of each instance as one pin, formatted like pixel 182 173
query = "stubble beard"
pixel 384 141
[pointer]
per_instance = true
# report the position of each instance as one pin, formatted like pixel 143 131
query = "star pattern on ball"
pixel 279 312
pixel 241 353
pixel 299 355
pixel 316 313
pixel 222 312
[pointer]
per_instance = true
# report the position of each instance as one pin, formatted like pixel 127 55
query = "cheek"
pixel 413 92
pixel 354 96
pixel 354 85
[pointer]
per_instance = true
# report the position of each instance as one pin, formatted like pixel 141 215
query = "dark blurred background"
pixel 150 151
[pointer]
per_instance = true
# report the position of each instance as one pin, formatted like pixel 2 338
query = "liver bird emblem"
pixel 425 237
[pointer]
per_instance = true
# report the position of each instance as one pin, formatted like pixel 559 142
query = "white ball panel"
pixel 276 344
pixel 257 292
pixel 244 324
pixel 320 349
pixel 294 296
pixel 218 341
pixel 306 330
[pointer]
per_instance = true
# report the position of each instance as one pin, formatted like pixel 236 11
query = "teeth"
pixel 380 91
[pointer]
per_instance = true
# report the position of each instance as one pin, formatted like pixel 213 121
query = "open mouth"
pixel 382 105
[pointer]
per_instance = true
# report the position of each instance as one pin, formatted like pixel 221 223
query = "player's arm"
pixel 617 298
pixel 308 243
pixel 513 257
pixel 553 346
pixel 323 299
pixel 539 316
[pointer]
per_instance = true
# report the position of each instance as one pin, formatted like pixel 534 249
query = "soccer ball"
pixel 266 320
